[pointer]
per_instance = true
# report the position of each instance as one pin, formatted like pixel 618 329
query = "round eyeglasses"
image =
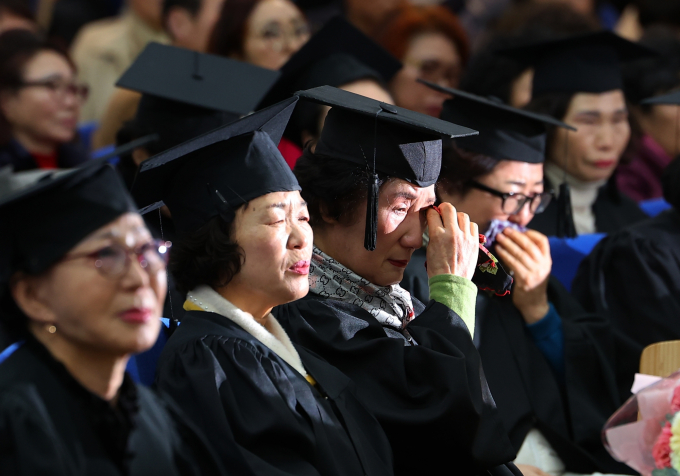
pixel 113 261
pixel 514 202
pixel 60 89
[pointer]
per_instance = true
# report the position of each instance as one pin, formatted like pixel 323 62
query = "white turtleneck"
pixel 583 196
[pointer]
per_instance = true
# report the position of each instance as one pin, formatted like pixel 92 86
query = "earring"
pixel 52 329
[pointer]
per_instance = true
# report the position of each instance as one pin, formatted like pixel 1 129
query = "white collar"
pixel 271 334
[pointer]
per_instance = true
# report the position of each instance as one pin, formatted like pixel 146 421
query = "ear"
pixel 26 291
pixel 177 23
pixel 5 98
pixel 139 155
pixel 325 216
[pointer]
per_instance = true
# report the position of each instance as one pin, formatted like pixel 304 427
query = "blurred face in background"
pixel 276 29
pixel 432 56
pixel 151 11
pixel 662 123
pixel 594 150
pixel 43 111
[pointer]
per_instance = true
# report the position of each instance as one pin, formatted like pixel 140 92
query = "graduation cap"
pixel 384 138
pixel 672 98
pixel 505 132
pixel 214 174
pixel 42 222
pixel 588 63
pixel 338 54
pixel 187 93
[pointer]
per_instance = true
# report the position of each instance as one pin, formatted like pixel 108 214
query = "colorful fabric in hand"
pixel 390 305
pixel 496 228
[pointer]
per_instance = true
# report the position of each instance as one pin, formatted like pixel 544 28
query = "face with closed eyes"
pixel 276 239
pixel 401 223
pixel 594 150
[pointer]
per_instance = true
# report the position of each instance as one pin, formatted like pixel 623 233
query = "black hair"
pixel 209 255
pixel 461 167
pixel 554 105
pixel 331 187
pixel 192 6
pixel 12 319
pixel 658 12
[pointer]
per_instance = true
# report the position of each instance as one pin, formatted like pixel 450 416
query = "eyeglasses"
pixel 513 202
pixel 60 89
pixel 113 261
pixel 277 36
pixel 434 71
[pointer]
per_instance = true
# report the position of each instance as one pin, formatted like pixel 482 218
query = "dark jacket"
pixel 68 156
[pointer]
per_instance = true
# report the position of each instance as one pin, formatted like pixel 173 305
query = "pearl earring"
pixel 52 329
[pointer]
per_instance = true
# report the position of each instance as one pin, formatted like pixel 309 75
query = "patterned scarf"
pixel 390 305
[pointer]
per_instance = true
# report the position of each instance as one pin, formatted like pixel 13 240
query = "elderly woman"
pixel 548 362
pixel 244 246
pixel 39 104
pixel 265 33
pixel 369 183
pixel 82 288
pixel 578 80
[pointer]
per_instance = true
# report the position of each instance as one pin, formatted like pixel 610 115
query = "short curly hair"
pixel 209 255
pixel 331 187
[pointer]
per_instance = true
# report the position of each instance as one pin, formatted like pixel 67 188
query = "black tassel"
pixel 371 234
pixel 565 218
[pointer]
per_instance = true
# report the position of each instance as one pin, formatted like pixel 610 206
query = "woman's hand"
pixel 528 470
pixel 454 243
pixel 527 255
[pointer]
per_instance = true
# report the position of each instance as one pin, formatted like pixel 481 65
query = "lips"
pixel 399 263
pixel 301 267
pixel 604 164
pixel 136 315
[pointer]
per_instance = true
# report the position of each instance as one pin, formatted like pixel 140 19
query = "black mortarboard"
pixel 669 98
pixel 214 174
pixel 41 223
pixel 338 54
pixel 588 63
pixel 505 132
pixel 198 79
pixel 187 93
pixel 388 139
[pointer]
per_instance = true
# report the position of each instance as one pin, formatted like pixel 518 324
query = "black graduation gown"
pixel 236 389
pixel 633 278
pixel 68 156
pixel 50 424
pixel 432 398
pixel 526 391
pixel 613 210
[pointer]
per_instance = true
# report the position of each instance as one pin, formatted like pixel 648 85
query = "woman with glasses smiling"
pixel 547 361
pixel 39 104
pixel 81 289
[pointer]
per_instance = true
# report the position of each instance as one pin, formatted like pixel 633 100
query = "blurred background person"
pixel 265 33
pixel 16 14
pixel 189 24
pixel 103 50
pixel 40 101
pixel 431 44
pixel 655 127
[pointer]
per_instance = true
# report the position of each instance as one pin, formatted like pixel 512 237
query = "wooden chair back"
pixel 660 359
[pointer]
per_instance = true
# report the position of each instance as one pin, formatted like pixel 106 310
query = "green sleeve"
pixel 458 294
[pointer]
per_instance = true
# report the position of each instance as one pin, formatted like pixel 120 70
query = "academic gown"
pixel 50 424
pixel 633 278
pixel 236 389
pixel 613 210
pixel 527 392
pixel 431 398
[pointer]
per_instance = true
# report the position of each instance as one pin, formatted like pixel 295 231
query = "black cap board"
pixel 198 79
pixel 384 138
pixel 505 132
pixel 338 54
pixel 669 98
pixel 589 63
pixel 42 222
pixel 214 174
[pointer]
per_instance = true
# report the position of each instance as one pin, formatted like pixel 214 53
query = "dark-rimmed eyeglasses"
pixel 59 88
pixel 514 202
pixel 113 261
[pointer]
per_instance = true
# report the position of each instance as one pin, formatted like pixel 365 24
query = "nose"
pixel 605 137
pixel 523 216
pixel 136 276
pixel 412 229
pixel 300 237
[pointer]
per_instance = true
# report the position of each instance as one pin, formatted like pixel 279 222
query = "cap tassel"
pixel 565 218
pixel 371 234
